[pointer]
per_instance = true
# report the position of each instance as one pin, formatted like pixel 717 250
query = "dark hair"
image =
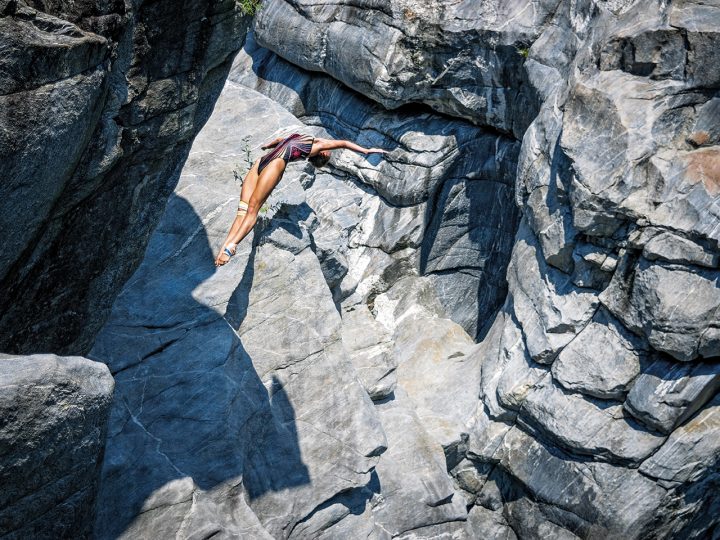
pixel 319 160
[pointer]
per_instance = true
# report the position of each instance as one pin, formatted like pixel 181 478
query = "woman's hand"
pixel 271 144
pixel 376 151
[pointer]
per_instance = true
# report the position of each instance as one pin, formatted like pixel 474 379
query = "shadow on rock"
pixel 191 419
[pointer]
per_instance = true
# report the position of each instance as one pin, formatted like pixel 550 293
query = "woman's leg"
pixel 266 182
pixel 248 186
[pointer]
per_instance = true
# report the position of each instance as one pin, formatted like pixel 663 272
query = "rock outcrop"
pixel 100 102
pixel 586 409
pixel 53 422
pixel 506 327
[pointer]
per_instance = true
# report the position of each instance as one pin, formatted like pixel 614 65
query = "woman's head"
pixel 321 159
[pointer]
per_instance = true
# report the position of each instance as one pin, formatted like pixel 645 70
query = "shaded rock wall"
pixel 100 102
pixel 53 424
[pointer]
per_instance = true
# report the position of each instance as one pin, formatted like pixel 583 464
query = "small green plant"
pixel 241 169
pixel 523 51
pixel 249 7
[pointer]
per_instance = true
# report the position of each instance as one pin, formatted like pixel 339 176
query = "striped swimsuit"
pixel 292 148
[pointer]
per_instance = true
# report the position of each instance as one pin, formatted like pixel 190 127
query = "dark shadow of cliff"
pixel 193 407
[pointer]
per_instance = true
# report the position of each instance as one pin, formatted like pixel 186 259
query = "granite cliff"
pixel 508 327
pixel 99 104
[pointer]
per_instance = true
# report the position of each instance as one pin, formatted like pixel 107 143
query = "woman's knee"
pixel 253 206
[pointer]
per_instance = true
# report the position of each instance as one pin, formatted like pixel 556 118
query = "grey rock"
pixel 411 297
pixel 453 530
pixel 468 244
pixel 360 525
pixel 673 248
pixel 592 266
pixel 242 413
pixel 705 132
pixel 426 149
pixel 550 309
pixel 471 476
pixel 502 345
pixel 439 375
pixel 485 437
pixel 101 101
pixel 617 112
pixel 651 52
pixel 458 59
pixel 390 228
pixel 369 344
pixel 371 272
pixel 690 450
pixel 700 22
pixel 417 492
pixel 602 361
pixel 587 427
pixel 54 414
pixel 531 521
pixel 519 377
pixel 464 236
pixel 611 500
pixel 667 393
pixel 674 307
pixel 483 523
pixel 337 206
pixel 543 182
pixel 227 388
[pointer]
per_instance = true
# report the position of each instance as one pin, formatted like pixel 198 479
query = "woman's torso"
pixel 292 148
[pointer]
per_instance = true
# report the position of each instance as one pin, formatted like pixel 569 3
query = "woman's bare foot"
pixel 225 253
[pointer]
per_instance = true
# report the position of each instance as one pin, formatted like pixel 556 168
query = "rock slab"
pixel 53 420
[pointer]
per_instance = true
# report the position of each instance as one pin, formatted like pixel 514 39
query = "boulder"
pixel 54 417
pixel 674 307
pixel 690 452
pixel 602 361
pixel 667 393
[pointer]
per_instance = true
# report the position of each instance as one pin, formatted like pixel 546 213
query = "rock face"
pixel 506 327
pixel 446 188
pixel 100 101
pixel 99 104
pixel 53 423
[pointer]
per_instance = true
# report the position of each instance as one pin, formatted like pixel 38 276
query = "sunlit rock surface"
pixel 507 327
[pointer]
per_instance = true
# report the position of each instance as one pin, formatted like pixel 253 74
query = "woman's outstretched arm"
pixel 332 144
